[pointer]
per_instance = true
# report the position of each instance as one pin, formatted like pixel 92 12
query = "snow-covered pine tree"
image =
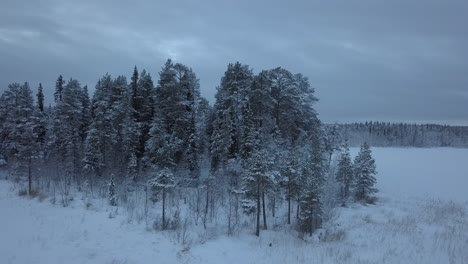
pixel 40 116
pixel 176 115
pixel 189 103
pixel 59 84
pixel 204 111
pixel 364 174
pixel 134 91
pixel 344 174
pixel 145 107
pixel 332 140
pixel 111 196
pixel 162 182
pixel 40 119
pixel 65 144
pixel 8 118
pixel 252 187
pixel 231 98
pixel 40 98
pixel 101 131
pixel 291 180
pixel 93 160
pixel 292 104
pixel 27 148
pixel 310 215
pixel 133 131
pixel 259 179
pixel 86 117
pixel 119 116
pixel 256 114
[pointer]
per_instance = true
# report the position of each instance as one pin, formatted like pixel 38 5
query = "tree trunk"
pixel 273 209
pixel 297 209
pixel 264 211
pixel 257 232
pixel 29 178
pixel 164 209
pixel 289 202
pixel 311 222
pixel 206 207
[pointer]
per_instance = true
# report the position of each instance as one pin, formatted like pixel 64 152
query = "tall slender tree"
pixel 59 84
pixel 344 175
pixel 40 98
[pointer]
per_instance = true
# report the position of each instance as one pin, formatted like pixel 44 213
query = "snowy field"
pixel 421 217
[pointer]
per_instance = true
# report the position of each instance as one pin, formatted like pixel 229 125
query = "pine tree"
pixel 27 149
pixel 102 130
pixel 364 174
pixel 310 215
pixel 291 180
pixel 162 182
pixel 256 113
pixel 111 196
pixel 59 89
pixel 8 118
pixel 292 105
pixel 40 98
pixel 134 91
pixel 332 140
pixel 174 126
pixel 344 175
pixel 119 114
pixel 231 98
pixel 40 120
pixel 86 117
pixel 143 105
pixel 259 179
pixel 93 160
pixel 65 144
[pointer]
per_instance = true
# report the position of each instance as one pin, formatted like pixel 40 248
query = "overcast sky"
pixel 368 59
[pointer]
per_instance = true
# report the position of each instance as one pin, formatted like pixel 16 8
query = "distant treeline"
pixel 384 134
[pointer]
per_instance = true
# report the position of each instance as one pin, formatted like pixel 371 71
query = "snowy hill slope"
pixel 414 221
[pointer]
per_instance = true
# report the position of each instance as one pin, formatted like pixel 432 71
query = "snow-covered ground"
pixel 429 172
pixel 414 221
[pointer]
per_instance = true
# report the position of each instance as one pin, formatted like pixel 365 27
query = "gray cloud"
pixel 368 59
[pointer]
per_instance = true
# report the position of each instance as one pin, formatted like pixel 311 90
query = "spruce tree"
pixel 8 118
pixel 93 160
pixel 332 140
pixel 174 126
pixel 59 84
pixel 40 118
pixel 344 175
pixel 86 117
pixel 66 145
pixel 40 98
pixel 364 174
pixel 134 90
pixel 27 149
pixel 231 98
pixel 311 213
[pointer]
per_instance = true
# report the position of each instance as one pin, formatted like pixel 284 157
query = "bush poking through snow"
pixel 333 235
pixel 22 192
